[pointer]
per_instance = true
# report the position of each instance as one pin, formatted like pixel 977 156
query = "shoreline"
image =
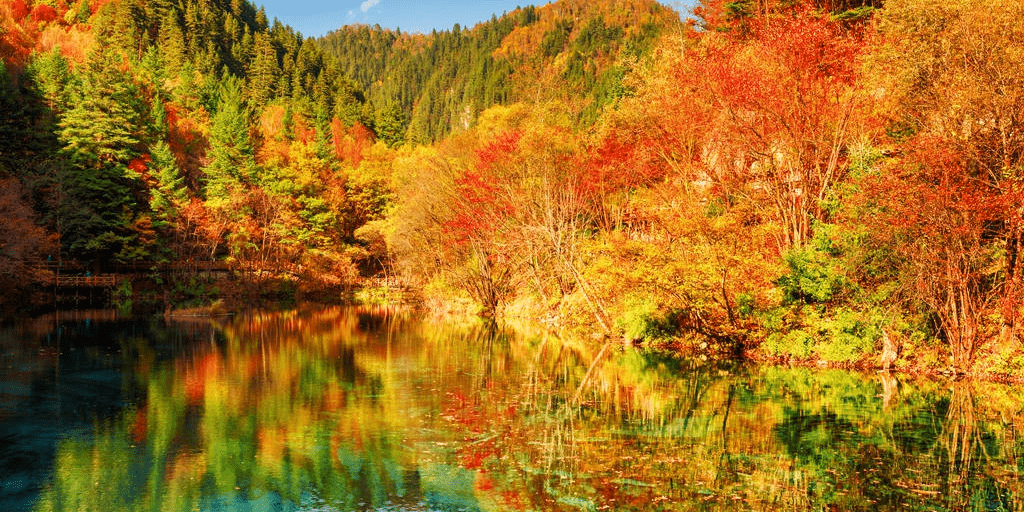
pixel 226 306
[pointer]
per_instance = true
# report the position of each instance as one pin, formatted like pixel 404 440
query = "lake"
pixel 381 409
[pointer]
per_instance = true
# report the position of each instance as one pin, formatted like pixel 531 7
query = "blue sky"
pixel 317 17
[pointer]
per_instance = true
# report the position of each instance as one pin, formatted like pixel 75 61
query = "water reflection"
pixel 356 409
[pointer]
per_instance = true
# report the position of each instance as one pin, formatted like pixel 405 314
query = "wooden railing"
pixel 390 282
pixel 108 281
pixel 174 266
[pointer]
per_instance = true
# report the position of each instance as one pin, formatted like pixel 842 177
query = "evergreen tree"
pixel 264 71
pixel 78 13
pixel 170 193
pixel 51 75
pixel 390 125
pixel 153 74
pixel 101 126
pixel 100 137
pixel 232 159
pixel 128 26
pixel 261 19
pixel 16 118
pixel 185 93
pixel 242 50
pixel 172 41
pixel 323 135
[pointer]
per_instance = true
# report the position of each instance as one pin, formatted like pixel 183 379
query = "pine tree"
pixel 28 110
pixel 232 160
pixel 101 127
pixel 261 19
pixel 172 41
pixel 324 146
pixel 100 136
pixel 153 73
pixel 129 27
pixel 51 75
pixel 264 71
pixel 170 194
pixel 15 124
pixel 390 125
pixel 82 11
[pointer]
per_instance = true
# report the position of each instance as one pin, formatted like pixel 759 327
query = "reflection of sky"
pixel 317 17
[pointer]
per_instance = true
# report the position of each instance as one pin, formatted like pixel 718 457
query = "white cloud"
pixel 351 14
pixel 368 4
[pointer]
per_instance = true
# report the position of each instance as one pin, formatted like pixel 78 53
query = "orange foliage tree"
pixel 765 112
pixel 954 114
pixel 937 219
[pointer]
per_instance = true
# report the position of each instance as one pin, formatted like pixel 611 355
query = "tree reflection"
pixel 355 409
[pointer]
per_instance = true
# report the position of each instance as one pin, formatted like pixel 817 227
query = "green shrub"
pixel 795 344
pixel 746 305
pixel 815 274
pixel 848 335
pixel 845 336
pixel 644 320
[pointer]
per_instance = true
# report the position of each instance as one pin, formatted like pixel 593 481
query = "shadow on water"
pixel 378 409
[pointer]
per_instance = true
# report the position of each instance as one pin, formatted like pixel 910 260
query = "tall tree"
pixel 774 104
pixel 264 70
pixel 100 135
pixel 231 156
pixel 169 195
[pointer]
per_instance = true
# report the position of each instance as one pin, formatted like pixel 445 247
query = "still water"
pixel 359 409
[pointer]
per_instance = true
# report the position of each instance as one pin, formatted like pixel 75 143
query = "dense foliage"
pixel 816 180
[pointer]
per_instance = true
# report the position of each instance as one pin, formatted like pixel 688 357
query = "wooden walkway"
pixel 72 275
pixel 108 281
pixel 175 266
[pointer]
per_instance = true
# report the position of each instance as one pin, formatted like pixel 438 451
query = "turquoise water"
pixel 377 409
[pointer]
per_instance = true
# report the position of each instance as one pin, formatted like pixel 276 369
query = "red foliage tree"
pixel 19 10
pixel 350 142
pixel 774 102
pixel 17 35
pixel 22 241
pixel 939 220
pixel 621 160
pixel 44 13
pixel 481 206
pixel 140 164
pixel 954 112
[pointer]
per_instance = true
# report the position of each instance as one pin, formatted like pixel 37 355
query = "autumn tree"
pixel 935 217
pixel 949 79
pixel 483 223
pixel 501 211
pixel 23 241
pixel 452 223
pixel 774 105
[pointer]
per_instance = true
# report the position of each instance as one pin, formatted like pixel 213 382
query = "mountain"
pixel 423 87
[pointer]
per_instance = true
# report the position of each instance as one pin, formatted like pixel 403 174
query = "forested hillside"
pixel 426 86
pixel 138 132
pixel 828 181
